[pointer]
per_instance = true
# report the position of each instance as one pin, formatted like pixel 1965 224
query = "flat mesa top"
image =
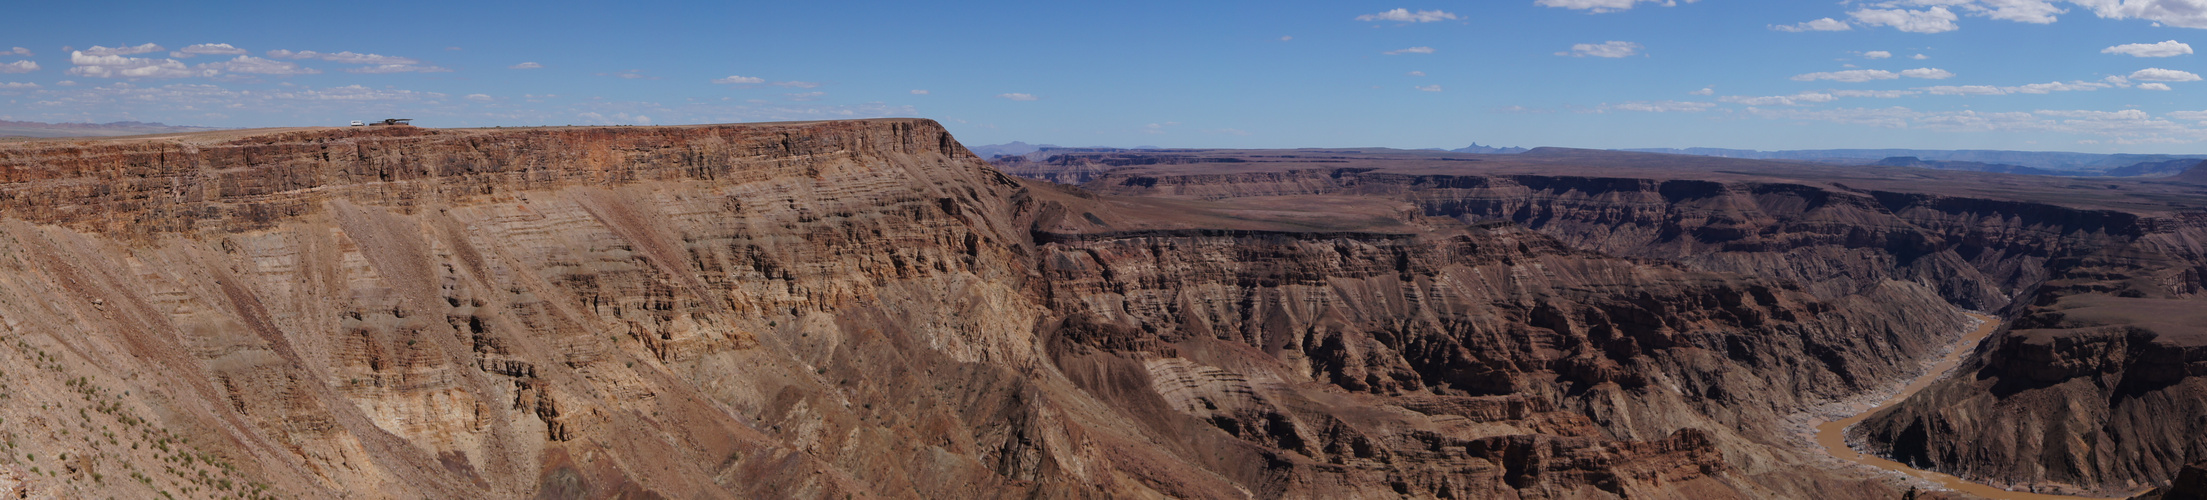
pixel 219 136
pixel 2142 196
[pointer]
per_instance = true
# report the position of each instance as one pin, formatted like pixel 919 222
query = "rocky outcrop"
pixel 2077 397
pixel 865 309
pixel 2190 484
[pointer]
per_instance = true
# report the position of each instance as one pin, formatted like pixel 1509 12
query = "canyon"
pixel 862 309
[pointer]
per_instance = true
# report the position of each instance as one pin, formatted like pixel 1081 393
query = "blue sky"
pixel 2077 75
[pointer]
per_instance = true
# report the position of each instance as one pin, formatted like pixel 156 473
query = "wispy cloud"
pixel 1412 50
pixel 919 92
pixel 2163 75
pixel 797 84
pixel 2171 48
pixel 1933 20
pixel 1825 24
pixel 739 80
pixel 259 66
pixel 1016 96
pixel 122 51
pixel 209 49
pixel 19 67
pixel 1601 6
pixel 1864 75
pixel 1429 88
pixel 1406 16
pixel 1801 99
pixel 115 66
pixel 526 65
pixel 1610 49
pixel 1658 107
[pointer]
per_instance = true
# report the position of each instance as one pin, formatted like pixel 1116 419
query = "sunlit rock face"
pixel 865 309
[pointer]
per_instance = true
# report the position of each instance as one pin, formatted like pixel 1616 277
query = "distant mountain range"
pixel 110 129
pixel 1475 148
pixel 2064 163
pixel 2054 163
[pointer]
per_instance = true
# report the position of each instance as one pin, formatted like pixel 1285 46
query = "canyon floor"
pixel 864 309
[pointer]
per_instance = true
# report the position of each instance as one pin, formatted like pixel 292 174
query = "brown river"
pixel 1832 435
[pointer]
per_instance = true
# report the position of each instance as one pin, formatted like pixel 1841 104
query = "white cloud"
pixel 1864 75
pixel 797 85
pixel 919 92
pixel 1429 88
pixel 1415 73
pixel 526 65
pixel 350 57
pixel 1017 96
pixel 1704 91
pixel 114 66
pixel 2153 86
pixel 376 63
pixel 347 57
pixel 1825 24
pixel 1412 50
pixel 207 49
pixel 1610 49
pixel 737 79
pixel 19 67
pixel 2189 115
pixel 1876 54
pixel 397 68
pixel 1851 76
pixel 1601 6
pixel 1927 73
pixel 2051 87
pixel 259 66
pixel 480 97
pixel 2163 75
pixel 2178 13
pixel 1934 20
pixel 1659 106
pixel 2171 48
pixel 19 51
pixel 805 96
pixel 122 51
pixel 1405 15
pixel 1878 94
pixel 1964 90
pixel 1801 99
pixel 2035 88
pixel 1284 38
pixel 17 85
pixel 1919 57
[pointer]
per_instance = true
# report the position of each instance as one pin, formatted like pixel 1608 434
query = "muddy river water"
pixel 1832 435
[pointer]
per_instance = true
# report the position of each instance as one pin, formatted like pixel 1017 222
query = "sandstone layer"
pixel 864 309
pixel 2093 390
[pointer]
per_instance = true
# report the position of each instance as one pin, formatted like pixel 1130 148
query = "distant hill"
pixel 2090 163
pixel 2196 175
pixel 1971 166
pixel 2155 168
pixel 1475 148
pixel 1014 148
pixel 110 129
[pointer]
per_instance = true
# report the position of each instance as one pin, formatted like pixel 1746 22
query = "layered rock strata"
pixel 864 309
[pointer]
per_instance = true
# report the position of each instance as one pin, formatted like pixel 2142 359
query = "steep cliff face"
pixel 2110 356
pixel 572 312
pixel 2092 390
pixel 864 309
